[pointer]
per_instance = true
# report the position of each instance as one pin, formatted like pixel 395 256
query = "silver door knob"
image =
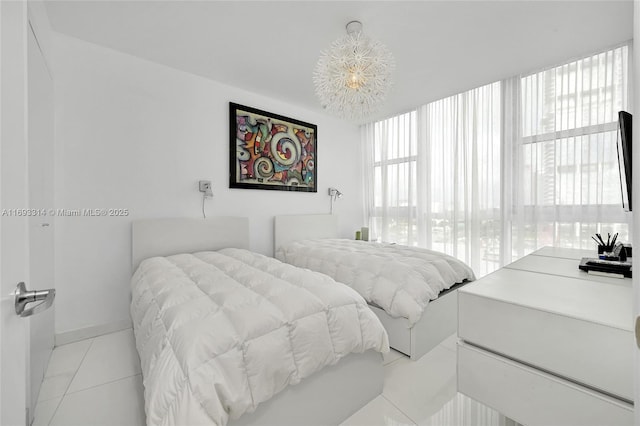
pixel 23 297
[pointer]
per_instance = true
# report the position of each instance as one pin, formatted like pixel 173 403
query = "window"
pixel 395 183
pixel 570 187
pixel 452 148
pixel 494 173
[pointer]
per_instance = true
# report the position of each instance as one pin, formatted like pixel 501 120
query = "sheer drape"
pixel 391 171
pixel 436 177
pixel 492 174
pixel 462 143
pixel 568 184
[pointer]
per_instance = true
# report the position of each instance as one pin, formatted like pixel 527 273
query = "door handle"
pixel 23 297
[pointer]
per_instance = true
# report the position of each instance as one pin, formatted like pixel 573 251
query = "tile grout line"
pixel 454 350
pixel 393 362
pixel 105 383
pixel 82 390
pixel 99 384
pixel 109 381
pixel 71 381
pixel 79 365
pixel 398 408
pixel 415 423
pixel 55 410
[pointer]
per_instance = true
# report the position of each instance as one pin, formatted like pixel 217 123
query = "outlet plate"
pixel 204 185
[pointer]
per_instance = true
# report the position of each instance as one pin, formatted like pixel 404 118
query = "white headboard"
pixel 301 227
pixel 164 237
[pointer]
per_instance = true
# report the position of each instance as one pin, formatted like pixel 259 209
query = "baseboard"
pixel 89 332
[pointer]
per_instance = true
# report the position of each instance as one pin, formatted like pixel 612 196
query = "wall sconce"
pixel 334 194
pixel 204 186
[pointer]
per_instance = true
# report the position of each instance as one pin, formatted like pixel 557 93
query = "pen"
pixel 594 239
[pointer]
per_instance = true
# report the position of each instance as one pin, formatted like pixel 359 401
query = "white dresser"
pixel 548 344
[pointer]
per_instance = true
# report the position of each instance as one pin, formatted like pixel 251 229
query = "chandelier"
pixel 353 77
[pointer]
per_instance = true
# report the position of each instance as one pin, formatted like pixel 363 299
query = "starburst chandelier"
pixel 353 77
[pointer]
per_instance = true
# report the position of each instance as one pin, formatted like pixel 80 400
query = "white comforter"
pixel 399 279
pixel 220 332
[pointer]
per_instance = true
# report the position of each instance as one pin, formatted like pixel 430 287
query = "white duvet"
pixel 220 332
pixel 399 279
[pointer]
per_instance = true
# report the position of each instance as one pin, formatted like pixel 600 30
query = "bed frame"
pixel 326 398
pixel 164 237
pixel 439 319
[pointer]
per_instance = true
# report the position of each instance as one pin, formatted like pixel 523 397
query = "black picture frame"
pixel 270 151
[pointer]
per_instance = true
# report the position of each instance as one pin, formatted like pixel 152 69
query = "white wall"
pixel 137 135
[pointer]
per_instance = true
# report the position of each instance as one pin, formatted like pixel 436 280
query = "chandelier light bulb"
pixel 353 77
pixel 355 80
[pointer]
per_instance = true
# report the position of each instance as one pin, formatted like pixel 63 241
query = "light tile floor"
pixel 98 382
pixel 93 382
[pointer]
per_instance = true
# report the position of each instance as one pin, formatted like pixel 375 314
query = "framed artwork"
pixel 269 151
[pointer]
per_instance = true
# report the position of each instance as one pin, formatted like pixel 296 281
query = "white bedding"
pixel 399 279
pixel 220 332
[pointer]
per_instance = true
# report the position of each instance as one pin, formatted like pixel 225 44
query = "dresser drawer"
pixel 533 397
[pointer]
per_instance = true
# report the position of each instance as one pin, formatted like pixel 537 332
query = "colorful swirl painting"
pixel 269 151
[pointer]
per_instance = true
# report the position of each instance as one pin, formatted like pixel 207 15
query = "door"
pixel 636 196
pixel 41 227
pixel 14 234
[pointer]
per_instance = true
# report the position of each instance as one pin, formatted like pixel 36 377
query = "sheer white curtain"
pixel 492 174
pixel 461 136
pixel 568 185
pixel 391 152
pixel 436 177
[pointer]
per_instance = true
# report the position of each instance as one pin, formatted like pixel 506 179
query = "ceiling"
pixel 271 47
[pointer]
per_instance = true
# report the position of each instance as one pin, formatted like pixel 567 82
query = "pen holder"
pixel 605 249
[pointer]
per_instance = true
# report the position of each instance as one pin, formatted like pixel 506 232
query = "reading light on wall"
pixel 204 186
pixel 353 77
pixel 334 194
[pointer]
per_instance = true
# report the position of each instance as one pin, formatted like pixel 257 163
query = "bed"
pixel 416 322
pixel 227 336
